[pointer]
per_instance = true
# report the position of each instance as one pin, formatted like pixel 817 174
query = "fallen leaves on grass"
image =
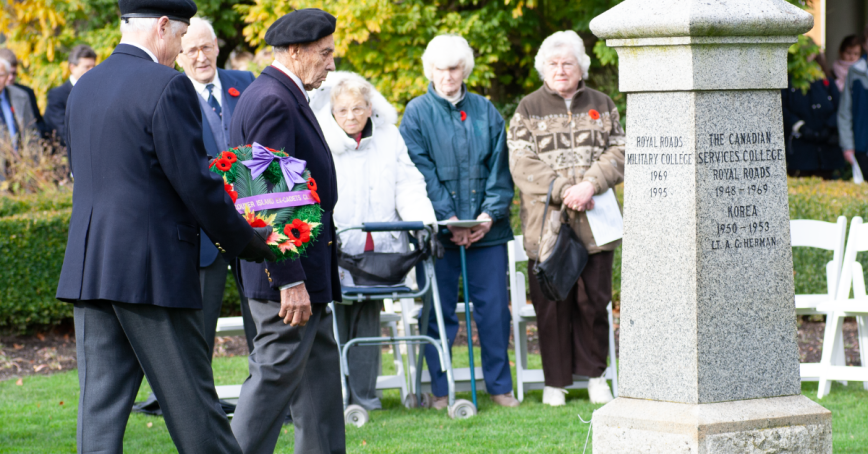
pixel 150 424
pixel 20 382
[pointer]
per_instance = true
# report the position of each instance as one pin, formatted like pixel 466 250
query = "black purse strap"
pixel 545 212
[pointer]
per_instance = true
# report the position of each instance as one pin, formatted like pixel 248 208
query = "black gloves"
pixel 257 250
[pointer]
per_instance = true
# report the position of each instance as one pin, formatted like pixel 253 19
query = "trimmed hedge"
pixel 31 256
pixel 33 232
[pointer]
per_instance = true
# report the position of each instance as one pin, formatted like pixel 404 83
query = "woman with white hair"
pixel 458 141
pixel 567 138
pixel 377 182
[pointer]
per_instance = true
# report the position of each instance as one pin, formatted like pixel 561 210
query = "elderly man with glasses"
pixel 219 91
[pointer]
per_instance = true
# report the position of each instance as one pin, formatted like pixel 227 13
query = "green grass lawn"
pixel 40 417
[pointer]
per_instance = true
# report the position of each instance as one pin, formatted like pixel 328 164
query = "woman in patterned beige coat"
pixel 570 134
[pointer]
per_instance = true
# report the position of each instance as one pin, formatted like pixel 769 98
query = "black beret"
pixel 179 10
pixel 300 26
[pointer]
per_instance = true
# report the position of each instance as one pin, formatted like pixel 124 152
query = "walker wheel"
pixel 462 409
pixel 355 415
pixel 410 401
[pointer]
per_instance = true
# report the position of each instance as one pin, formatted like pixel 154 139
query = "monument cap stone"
pixel 675 18
pixel 680 45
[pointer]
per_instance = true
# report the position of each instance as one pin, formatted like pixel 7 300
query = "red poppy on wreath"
pixel 298 232
pixel 594 114
pixel 213 161
pixel 314 196
pixel 234 92
pixel 311 184
pixel 230 156
pixel 254 220
pixel 223 165
pixel 229 190
pixel 463 115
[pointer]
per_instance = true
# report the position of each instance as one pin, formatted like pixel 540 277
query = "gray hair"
pixel 357 86
pixel 80 51
pixel 7 67
pixel 446 51
pixel 134 24
pixel 201 21
pixel 7 54
pixel 557 43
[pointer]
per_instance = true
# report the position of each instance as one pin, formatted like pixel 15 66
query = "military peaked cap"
pixel 178 10
pixel 300 26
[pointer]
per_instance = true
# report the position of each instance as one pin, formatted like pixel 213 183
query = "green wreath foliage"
pixel 281 219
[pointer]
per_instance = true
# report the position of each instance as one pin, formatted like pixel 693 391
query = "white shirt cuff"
pixel 284 287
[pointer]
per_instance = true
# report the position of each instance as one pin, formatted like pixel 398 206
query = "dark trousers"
pixel 116 345
pixel 292 369
pixel 361 319
pixel 486 287
pixel 212 280
pixel 862 160
pixel 574 333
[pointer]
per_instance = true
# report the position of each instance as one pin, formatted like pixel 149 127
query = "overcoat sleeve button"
pixel 330 243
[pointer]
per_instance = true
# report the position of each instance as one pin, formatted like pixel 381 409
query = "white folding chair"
pixel 852 276
pixel 522 313
pixel 830 237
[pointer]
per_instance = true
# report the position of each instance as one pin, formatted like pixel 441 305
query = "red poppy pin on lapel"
pixel 234 92
pixel 463 115
pixel 594 114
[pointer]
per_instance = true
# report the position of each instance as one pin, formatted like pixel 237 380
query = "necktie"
pixel 8 116
pixel 212 101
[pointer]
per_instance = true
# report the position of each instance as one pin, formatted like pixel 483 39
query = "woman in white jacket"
pixel 377 182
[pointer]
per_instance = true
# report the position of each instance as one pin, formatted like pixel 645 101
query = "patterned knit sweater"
pixel 547 142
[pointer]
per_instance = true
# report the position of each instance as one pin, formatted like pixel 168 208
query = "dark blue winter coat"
pixel 815 145
pixel 464 160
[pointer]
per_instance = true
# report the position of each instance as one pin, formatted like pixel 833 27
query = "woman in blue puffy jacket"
pixel 457 139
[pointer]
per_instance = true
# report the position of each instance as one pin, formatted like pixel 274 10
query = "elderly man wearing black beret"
pixel 294 362
pixel 142 192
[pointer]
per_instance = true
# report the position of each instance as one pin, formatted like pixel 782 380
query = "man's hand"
pixel 850 156
pixel 460 235
pixel 295 305
pixel 580 197
pixel 479 231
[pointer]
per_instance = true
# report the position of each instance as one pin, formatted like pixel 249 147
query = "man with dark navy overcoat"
pixel 295 358
pixel 142 191
pixel 218 92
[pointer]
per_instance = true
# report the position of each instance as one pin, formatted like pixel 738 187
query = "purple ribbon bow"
pixel 292 168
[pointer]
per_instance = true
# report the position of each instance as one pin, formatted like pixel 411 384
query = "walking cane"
pixel 469 328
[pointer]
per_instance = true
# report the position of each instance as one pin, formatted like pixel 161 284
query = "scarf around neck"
pixel 840 68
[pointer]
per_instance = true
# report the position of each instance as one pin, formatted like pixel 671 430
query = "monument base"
pixel 792 424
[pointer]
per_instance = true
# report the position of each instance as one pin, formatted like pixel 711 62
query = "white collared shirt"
pixel 72 80
pixel 292 76
pixel 202 89
pixel 147 51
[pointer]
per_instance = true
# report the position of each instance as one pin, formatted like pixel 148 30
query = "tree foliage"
pixel 384 40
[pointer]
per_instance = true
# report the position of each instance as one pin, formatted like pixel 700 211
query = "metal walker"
pixel 355 414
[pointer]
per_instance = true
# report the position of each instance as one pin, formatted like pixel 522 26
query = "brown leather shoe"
pixel 440 403
pixel 505 400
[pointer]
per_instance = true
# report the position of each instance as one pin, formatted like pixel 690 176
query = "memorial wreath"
pixel 272 188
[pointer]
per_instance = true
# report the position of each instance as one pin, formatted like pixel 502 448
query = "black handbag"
pixel 381 268
pixel 561 270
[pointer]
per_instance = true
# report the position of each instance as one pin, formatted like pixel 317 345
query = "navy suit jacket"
pixel 142 187
pixel 55 112
pixel 238 80
pixel 275 113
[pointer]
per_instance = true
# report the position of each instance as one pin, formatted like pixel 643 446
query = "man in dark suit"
pixel 142 191
pixel 218 91
pixel 294 360
pixel 39 123
pixel 81 60
pixel 16 116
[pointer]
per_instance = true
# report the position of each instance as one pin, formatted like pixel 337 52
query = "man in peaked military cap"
pixel 294 361
pixel 142 191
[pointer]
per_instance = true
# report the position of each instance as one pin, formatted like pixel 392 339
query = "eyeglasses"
pixel 568 66
pixel 357 112
pixel 193 53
